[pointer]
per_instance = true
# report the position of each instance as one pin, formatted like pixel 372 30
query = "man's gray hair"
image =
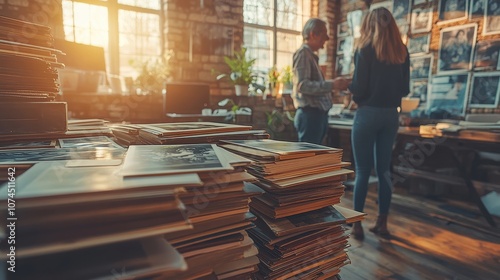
pixel 312 25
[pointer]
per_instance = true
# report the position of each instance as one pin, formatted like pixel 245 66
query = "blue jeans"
pixel 373 135
pixel 311 124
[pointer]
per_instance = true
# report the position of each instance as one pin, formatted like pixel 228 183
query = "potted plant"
pixel 274 79
pixel 153 74
pixel 287 79
pixel 242 73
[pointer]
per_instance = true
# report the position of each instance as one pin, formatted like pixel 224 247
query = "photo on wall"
pixel 354 19
pixel 455 48
pixel 452 10
pixel 487 54
pixel 418 2
pixel 419 45
pixel 385 4
pixel 485 90
pixel 421 66
pixel 418 89
pixel 343 29
pixel 401 10
pixel 449 93
pixel 492 18
pixel 421 20
pixel 345 45
pixel 344 65
pixel 476 8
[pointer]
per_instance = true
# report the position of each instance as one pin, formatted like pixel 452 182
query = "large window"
pixel 128 30
pixel 272 31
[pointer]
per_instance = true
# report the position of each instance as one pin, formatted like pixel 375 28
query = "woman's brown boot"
pixel 357 231
pixel 380 227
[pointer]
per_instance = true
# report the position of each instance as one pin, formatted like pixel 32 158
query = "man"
pixel 312 94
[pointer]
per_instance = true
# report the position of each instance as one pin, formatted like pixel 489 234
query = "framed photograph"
pixel 343 29
pixel 421 66
pixel 418 2
pixel 419 45
pixel 487 54
pixel 492 18
pixel 345 45
pixel 455 48
pixel 485 90
pixel 88 142
pixel 354 19
pixel 476 8
pixel 452 10
pixel 418 89
pixel 344 65
pixel 401 10
pixel 449 93
pixel 385 4
pixel 421 20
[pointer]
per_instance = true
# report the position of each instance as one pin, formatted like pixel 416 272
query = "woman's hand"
pixel 340 83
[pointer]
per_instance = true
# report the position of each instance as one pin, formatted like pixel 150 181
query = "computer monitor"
pixel 186 98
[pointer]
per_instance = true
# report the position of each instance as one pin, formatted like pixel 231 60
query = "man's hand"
pixel 340 83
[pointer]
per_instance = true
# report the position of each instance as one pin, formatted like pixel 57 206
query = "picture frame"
pixel 449 93
pixel 344 65
pixel 418 2
pixel 452 10
pixel 419 45
pixel 345 45
pixel 421 20
pixel 455 48
pixel 477 8
pixel 485 90
pixel 401 10
pixel 343 29
pixel 354 19
pixel 419 88
pixel 491 18
pixel 386 4
pixel 421 66
pixel 487 54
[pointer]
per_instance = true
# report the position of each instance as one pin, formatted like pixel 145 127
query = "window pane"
pixel 149 4
pixel 287 44
pixel 139 39
pixel 86 24
pixel 293 14
pixel 258 12
pixel 259 43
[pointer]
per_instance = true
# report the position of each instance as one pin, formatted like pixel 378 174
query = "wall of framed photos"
pixel 454 50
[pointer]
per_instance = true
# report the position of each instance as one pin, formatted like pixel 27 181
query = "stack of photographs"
pixel 184 133
pixel 217 209
pixel 299 183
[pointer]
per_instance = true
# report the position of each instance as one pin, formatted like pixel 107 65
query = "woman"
pixel 380 80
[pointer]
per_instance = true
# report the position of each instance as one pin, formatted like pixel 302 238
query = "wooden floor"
pixel 426 243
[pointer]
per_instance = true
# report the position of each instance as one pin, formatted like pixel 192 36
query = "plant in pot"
pixel 242 73
pixel 153 74
pixel 287 79
pixel 274 79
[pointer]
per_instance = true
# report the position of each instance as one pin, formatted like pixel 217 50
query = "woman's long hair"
pixel 379 30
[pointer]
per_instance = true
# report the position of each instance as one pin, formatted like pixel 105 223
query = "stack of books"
pixel 90 222
pixel 218 244
pixel 299 232
pixel 183 133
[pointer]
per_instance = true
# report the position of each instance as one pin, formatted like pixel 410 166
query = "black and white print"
pixel 476 8
pixel 455 47
pixel 421 20
pixel 345 45
pixel 401 10
pixel 485 90
pixel 421 67
pixel 452 10
pixel 344 65
pixel 487 54
pixel 419 45
pixel 343 29
pixel 418 89
pixel 449 93
pixel 354 19
pixel 492 18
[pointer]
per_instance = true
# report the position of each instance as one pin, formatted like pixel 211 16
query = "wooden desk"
pixel 406 162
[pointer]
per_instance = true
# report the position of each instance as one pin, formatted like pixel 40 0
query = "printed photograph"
pixel 487 54
pixel 281 147
pixel 344 65
pixel 171 159
pixel 419 45
pixel 418 89
pixel 48 154
pixel 29 145
pixel 477 8
pixel 418 2
pixel 345 46
pixel 343 29
pixel 485 90
pixel 449 93
pixel 452 10
pixel 401 10
pixel 421 67
pixel 354 21
pixel 385 4
pixel 492 19
pixel 455 47
pixel 88 142
pixel 421 20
